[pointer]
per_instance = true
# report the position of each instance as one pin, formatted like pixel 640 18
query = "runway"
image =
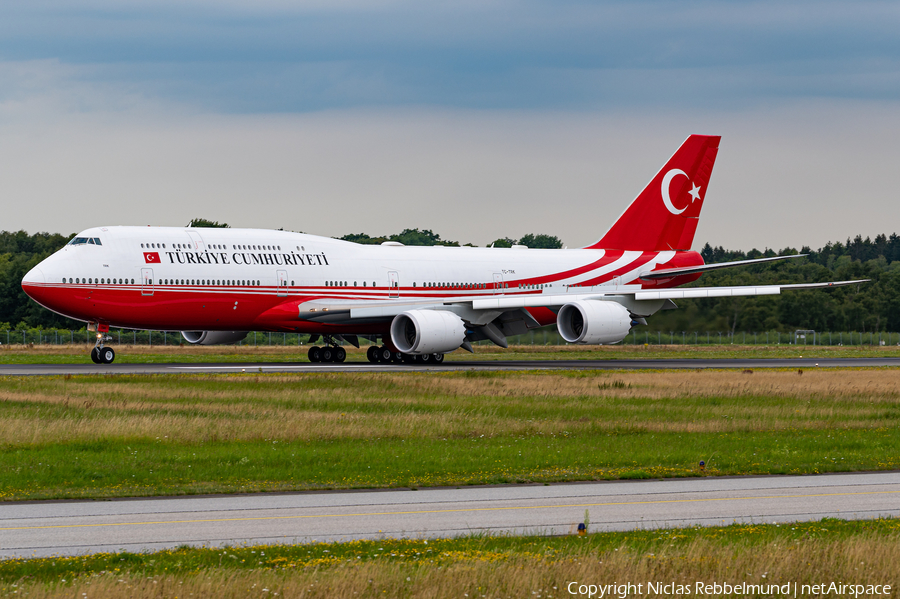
pixel 80 527
pixel 507 365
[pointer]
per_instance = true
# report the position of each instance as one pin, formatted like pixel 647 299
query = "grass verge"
pixel 98 436
pixel 816 553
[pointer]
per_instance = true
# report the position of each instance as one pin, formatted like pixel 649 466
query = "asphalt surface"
pixel 80 527
pixel 511 365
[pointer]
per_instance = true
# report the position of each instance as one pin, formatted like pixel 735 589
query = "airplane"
pixel 216 284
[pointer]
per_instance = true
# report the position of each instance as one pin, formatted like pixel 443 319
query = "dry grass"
pixel 415 405
pixel 858 560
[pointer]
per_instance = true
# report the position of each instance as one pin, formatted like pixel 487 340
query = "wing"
pixel 344 311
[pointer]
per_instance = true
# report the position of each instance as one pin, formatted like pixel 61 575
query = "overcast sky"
pixel 477 120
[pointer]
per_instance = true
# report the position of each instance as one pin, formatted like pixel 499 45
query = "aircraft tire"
pixel 437 358
pixel 408 358
pixel 340 354
pixel 95 356
pixel 327 354
pixel 314 354
pixel 372 353
pixel 107 355
pixel 397 358
pixel 423 359
pixel 384 355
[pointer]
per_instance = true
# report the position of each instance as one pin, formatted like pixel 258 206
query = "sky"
pixel 477 120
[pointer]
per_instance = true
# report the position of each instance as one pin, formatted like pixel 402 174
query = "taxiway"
pixel 509 365
pixel 80 527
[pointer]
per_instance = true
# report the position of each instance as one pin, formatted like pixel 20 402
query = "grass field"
pixel 855 553
pixel 142 354
pixel 98 436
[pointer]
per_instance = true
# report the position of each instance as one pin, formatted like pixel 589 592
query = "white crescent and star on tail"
pixel 666 182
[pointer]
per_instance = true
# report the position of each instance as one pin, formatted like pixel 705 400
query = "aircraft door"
pixel 498 283
pixel 394 281
pixel 146 281
pixel 282 282
pixel 197 241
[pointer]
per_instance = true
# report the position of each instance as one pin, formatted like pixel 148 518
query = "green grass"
pixel 125 468
pixel 99 436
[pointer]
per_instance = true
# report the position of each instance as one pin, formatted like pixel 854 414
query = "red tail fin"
pixel 664 216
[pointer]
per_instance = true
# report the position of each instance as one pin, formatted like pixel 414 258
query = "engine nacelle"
pixel 593 322
pixel 421 332
pixel 213 337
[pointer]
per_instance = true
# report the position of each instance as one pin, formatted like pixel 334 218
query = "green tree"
pixel 212 224
pixel 363 238
pixel 541 241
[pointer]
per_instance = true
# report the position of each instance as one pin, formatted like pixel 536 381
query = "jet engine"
pixel 420 332
pixel 213 337
pixel 593 322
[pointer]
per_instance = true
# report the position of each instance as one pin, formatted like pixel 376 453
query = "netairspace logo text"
pixel 719 589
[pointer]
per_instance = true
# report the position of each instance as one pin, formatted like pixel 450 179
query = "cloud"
pixel 286 57
pixel 477 120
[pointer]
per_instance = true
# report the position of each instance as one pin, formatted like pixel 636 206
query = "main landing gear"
pixel 383 355
pixel 100 354
pixel 330 353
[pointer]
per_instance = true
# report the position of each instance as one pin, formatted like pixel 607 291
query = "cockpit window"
pixel 85 240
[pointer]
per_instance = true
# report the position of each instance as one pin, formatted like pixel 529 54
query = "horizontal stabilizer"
pixel 666 273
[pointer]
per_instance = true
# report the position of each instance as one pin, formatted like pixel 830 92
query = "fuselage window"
pixel 142 245
pixel 364 283
pixel 90 281
pixel 354 283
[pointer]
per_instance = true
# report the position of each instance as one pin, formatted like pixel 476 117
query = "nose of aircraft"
pixel 32 282
pixel 33 276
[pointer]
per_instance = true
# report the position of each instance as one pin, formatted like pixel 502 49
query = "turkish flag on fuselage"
pixel 151 257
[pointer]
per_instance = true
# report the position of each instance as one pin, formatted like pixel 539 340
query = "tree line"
pixel 869 307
